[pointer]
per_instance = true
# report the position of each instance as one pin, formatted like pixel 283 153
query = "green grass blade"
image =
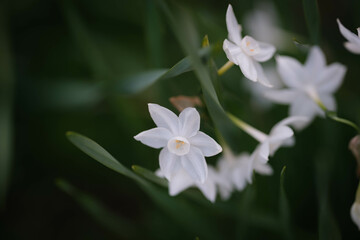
pixel 147 174
pixel 139 82
pixel 6 106
pixel 98 153
pixel 179 211
pixel 103 216
pixel 189 40
pixel 285 208
pixel 311 11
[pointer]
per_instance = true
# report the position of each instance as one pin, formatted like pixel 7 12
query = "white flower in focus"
pixel 308 85
pixel 353 44
pixel 246 52
pixel 355 213
pixel 183 145
pixel 182 181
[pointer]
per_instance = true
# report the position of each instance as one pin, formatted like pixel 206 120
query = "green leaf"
pixel 149 175
pixel 6 104
pixel 311 11
pixel 84 41
pixel 103 216
pixel 284 208
pixel 98 153
pixel 180 211
pixel 189 40
pixel 69 94
pixel 328 226
pixel 139 82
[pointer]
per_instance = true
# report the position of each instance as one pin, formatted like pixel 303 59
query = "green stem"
pixel 333 115
pixel 225 67
pixel 253 132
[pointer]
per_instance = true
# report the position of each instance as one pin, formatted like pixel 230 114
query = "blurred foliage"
pixel 63 67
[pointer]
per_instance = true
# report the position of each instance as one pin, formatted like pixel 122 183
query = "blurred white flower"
pixel 258 91
pixel 246 52
pixel 308 85
pixel 355 213
pixel 184 146
pixel 353 44
pixel 262 23
pixel 182 181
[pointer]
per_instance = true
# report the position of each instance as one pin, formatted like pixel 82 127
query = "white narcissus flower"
pixel 183 145
pixel 353 44
pixel 246 52
pixel 182 181
pixel 355 213
pixel 308 85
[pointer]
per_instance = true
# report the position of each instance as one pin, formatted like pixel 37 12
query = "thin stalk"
pixel 225 67
pixel 253 132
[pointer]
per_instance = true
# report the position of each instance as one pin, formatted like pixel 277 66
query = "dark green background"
pixel 59 63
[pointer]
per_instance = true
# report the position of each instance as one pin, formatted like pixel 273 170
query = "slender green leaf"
pixel 284 208
pixel 103 216
pixel 149 175
pixel 69 94
pixel 311 11
pixel 98 153
pixel 84 41
pixel 180 211
pixel 139 82
pixel 6 105
pixel 189 40
pixel 328 226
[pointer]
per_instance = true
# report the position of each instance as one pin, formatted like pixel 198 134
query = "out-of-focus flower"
pixel 182 181
pixel 184 146
pixel 309 86
pixel 262 23
pixel 355 209
pixel 258 91
pixel 354 146
pixel 246 52
pixel 353 44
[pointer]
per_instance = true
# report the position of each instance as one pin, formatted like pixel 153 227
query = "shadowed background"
pixel 63 67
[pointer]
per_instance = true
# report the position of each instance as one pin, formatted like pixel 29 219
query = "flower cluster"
pixel 308 89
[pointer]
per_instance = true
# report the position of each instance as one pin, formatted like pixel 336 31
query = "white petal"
pixel 280 133
pixel 329 101
pixel 358 30
pixel 260 75
pixel 169 163
pixel 232 51
pixel 180 181
pixel 155 137
pixel 355 214
pixel 195 165
pixel 290 71
pixel 265 53
pixel 331 78
pixel 291 120
pixel 304 106
pixel 206 144
pixel 247 67
pixel 165 118
pixel 208 188
pixel 352 47
pixel 264 151
pixel 233 26
pixel 315 63
pixel 189 122
pixel 347 33
pixel 283 96
pixel 263 169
